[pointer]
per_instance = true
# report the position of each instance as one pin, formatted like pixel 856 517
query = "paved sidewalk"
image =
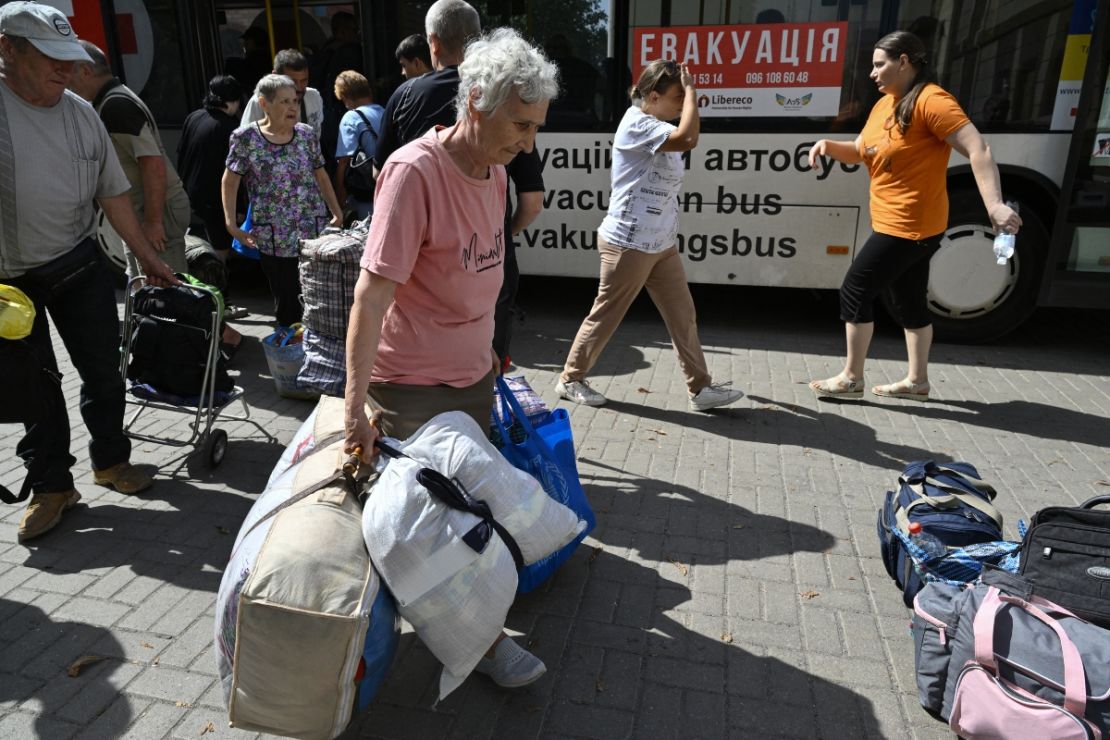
pixel 732 587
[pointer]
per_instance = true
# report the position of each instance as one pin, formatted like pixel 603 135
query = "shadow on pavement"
pixel 672 523
pixel 1019 417
pixel 40 650
pixel 786 424
pixel 182 536
pixel 626 659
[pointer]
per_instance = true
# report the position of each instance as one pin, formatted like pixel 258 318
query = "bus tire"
pixel 971 297
pixel 112 247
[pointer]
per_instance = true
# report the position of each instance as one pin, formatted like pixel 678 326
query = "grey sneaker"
pixel 714 395
pixel 579 391
pixel 511 665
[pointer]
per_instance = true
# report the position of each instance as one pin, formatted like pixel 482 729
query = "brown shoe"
pixel 44 512
pixel 124 477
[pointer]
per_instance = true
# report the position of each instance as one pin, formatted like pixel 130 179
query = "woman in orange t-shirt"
pixel 905 144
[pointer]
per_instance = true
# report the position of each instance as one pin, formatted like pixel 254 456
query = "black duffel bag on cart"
pixel 1066 554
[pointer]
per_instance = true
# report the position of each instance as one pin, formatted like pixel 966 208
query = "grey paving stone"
pixel 19 726
pixel 169 684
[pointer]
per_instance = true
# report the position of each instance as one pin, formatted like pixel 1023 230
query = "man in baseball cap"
pixel 47 29
pixel 60 163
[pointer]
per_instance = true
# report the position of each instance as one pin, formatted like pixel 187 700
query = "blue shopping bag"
pixel 243 249
pixel 547 454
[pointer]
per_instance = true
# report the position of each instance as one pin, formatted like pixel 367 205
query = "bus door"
pixel 1079 264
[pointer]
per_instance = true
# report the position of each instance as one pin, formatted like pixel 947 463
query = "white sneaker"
pixel 579 391
pixel 511 665
pixel 714 395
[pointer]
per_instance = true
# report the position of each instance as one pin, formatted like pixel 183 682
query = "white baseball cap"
pixel 47 29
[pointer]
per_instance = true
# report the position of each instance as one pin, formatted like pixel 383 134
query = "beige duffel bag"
pixel 299 597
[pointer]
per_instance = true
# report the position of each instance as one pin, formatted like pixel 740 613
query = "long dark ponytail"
pixel 895 45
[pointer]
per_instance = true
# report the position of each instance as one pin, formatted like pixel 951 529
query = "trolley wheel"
pixel 216 448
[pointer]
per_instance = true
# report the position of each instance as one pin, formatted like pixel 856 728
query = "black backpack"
pixel 359 177
pixel 170 340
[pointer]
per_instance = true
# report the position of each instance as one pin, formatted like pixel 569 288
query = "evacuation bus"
pixel 773 77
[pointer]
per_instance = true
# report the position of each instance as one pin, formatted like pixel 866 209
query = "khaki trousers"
pixel 406 408
pixel 624 272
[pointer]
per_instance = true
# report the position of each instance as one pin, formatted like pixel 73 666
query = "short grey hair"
pixel 498 63
pixel 269 85
pixel 100 66
pixel 453 22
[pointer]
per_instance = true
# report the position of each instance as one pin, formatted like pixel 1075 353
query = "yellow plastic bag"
pixel 17 313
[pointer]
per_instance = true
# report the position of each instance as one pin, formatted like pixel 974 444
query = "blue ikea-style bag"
pixel 243 249
pixel 547 454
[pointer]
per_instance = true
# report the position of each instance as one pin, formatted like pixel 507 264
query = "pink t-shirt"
pixel 439 235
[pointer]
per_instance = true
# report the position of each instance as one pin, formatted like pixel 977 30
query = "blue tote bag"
pixel 243 249
pixel 547 454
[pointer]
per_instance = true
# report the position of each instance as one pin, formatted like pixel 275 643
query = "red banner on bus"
pixel 772 69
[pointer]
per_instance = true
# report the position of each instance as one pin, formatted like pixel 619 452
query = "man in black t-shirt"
pixel 429 100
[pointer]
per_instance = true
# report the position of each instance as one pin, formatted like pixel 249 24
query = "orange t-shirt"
pixel 908 173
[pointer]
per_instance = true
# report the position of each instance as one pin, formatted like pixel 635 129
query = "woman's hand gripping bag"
pixel 301 614
pixel 454 590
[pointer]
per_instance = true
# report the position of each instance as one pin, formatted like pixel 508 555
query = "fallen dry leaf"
pixel 75 667
pixel 807 595
pixel 681 568
pixel 727 638
pixel 182 704
pixel 599 686
pixel 642 390
pixel 207 729
pixel 147 645
pixel 595 553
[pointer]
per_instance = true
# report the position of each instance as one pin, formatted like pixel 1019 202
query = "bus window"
pixel 1003 66
pixel 149 40
pixel 574 34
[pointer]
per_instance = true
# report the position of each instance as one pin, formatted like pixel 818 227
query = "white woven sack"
pixel 457 599
pixel 453 444
pixel 293 607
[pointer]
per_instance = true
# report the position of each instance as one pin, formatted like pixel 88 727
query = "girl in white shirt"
pixel 636 240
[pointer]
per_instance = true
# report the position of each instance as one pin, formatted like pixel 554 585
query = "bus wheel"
pixel 112 247
pixel 972 298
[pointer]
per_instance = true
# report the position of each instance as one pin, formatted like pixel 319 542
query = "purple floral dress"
pixel 286 205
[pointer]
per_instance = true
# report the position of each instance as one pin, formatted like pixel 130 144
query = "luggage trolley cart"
pixel 208 404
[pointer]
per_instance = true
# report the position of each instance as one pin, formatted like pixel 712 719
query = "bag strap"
pixel 1093 502
pixel 452 493
pixel 1075 681
pixel 952 497
pixel 366 120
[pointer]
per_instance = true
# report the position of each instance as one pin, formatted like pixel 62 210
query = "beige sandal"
pixel 838 386
pixel 903 389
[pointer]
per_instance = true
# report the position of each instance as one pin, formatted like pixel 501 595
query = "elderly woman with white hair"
pixel 290 192
pixel 420 334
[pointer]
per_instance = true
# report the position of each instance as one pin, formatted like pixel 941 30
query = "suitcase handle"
pixel 1093 502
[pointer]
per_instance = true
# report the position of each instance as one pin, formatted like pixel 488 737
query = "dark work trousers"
pixel 284 277
pixel 506 300
pixel 894 264
pixel 84 312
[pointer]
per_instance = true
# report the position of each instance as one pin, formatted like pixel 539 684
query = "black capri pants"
pixel 895 264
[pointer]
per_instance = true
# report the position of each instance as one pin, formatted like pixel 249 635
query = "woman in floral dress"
pixel 290 192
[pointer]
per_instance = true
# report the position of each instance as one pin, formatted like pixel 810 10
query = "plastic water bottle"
pixel 933 547
pixel 1004 242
